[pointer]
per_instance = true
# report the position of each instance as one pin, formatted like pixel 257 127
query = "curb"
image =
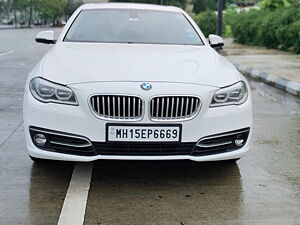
pixel 291 87
pixel 7 28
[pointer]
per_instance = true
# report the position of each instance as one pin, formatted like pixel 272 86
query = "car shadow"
pixel 165 169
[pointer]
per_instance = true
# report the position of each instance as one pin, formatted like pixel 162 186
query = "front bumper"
pixel 79 120
pixel 35 152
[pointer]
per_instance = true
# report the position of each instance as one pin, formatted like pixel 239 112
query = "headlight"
pixel 46 91
pixel 233 95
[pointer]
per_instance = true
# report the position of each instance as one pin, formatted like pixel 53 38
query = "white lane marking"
pixel 74 206
pixel 6 53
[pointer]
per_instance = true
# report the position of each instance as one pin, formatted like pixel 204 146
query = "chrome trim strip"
pixel 213 145
pixel 70 145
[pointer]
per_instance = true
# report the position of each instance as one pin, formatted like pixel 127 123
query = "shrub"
pixel 272 29
pixel 274 4
pixel 207 22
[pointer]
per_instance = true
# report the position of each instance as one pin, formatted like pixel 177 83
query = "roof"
pixel 131 6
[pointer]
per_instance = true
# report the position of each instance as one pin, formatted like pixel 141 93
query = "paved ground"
pixel 263 188
pixel 282 64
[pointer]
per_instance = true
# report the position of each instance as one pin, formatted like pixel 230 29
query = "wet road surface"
pixel 262 188
pixel 279 63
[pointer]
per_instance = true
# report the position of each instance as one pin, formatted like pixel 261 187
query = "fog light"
pixel 239 141
pixel 40 140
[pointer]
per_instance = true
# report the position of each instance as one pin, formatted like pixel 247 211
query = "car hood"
pixel 73 63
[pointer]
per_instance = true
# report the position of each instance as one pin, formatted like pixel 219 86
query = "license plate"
pixel 143 133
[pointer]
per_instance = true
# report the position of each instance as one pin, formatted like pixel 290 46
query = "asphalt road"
pixel 262 188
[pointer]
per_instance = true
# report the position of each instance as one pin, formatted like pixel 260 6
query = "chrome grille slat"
pixel 192 105
pixel 103 105
pixel 182 103
pixel 172 107
pixel 133 107
pixel 113 106
pixel 117 107
pixel 164 107
pixel 128 105
pixel 98 105
pixel 186 107
pixel 157 107
pixel 177 107
pixel 93 103
pixel 152 108
pixel 108 106
pixel 140 105
pixel 167 109
pixel 124 110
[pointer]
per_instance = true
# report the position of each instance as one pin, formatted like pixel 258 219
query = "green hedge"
pixel 207 22
pixel 272 29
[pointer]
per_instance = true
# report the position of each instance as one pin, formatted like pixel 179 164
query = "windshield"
pixel 132 26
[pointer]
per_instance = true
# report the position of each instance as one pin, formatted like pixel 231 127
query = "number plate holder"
pixel 172 129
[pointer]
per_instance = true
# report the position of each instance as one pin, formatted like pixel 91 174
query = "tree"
pixel 199 6
pixel 5 8
pixel 71 6
pixel 295 3
pixel 203 5
pixel 16 6
pixel 2 7
pixel 53 10
pixel 179 3
pixel 33 5
pixel 274 4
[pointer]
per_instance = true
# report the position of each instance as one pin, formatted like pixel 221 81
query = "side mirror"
pixel 45 37
pixel 215 41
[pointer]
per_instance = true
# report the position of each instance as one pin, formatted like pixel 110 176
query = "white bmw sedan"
pixel 135 82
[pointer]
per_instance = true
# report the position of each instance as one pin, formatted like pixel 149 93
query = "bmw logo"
pixel 146 86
